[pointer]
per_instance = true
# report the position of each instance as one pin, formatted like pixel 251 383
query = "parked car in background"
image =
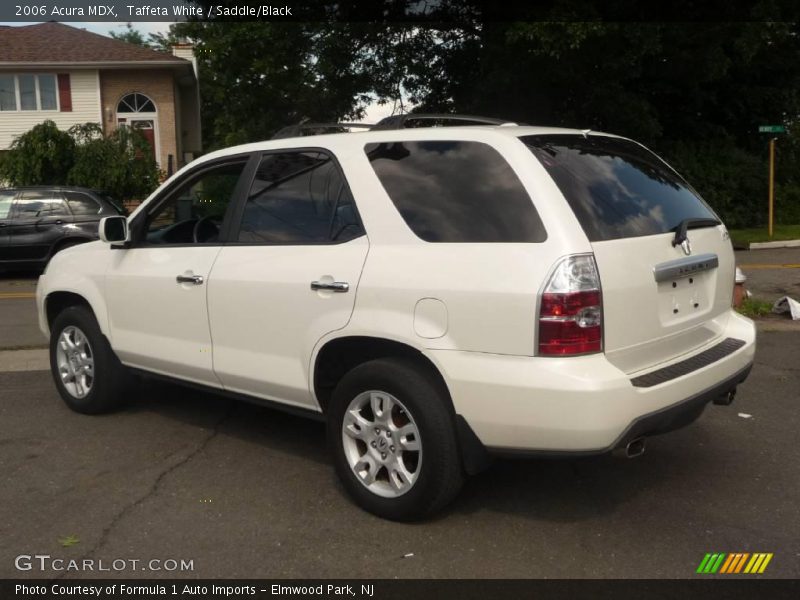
pixel 37 222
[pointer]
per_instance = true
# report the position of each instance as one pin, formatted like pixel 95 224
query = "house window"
pixel 136 103
pixel 28 92
pixel 8 94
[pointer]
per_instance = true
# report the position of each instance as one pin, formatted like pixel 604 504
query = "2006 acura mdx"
pixel 437 295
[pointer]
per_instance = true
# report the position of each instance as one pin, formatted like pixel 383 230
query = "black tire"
pixel 110 381
pixel 440 474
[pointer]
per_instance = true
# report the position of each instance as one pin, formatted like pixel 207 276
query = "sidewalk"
pixel 24 360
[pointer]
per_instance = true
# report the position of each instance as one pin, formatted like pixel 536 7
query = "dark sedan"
pixel 36 222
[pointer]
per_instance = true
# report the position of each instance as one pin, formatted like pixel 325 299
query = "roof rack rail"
pixel 400 121
pixel 315 129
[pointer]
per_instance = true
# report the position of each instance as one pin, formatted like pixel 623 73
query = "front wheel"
pixel 393 439
pixel 87 373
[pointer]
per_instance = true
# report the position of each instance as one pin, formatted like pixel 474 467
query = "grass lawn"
pixel 779 233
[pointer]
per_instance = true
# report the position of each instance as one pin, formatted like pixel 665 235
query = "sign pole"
pixel 771 184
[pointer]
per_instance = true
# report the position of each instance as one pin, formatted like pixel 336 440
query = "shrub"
pixel 121 164
pixel 41 156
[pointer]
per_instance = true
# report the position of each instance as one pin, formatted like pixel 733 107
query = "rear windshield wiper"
pixel 681 229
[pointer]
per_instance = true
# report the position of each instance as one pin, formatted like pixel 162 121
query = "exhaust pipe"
pixel 633 449
pixel 725 399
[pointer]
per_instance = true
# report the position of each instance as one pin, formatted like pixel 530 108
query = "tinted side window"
pixel 456 192
pixel 37 204
pixel 299 198
pixel 194 212
pixel 81 204
pixel 616 188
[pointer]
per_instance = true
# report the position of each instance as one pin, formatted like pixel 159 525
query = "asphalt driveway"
pixel 244 491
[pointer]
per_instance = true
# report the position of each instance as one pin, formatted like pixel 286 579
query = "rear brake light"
pixel 571 309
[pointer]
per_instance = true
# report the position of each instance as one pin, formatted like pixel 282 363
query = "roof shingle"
pixel 53 42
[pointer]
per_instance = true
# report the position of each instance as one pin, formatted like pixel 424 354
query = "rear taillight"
pixel 571 309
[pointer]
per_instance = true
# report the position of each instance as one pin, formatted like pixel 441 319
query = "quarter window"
pixel 299 198
pixel 455 191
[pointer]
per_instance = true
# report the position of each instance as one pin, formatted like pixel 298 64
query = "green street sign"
pixel 771 129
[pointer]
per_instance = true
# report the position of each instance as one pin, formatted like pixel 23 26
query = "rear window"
pixel 454 191
pixel 616 188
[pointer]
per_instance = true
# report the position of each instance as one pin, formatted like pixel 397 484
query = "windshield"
pixel 617 188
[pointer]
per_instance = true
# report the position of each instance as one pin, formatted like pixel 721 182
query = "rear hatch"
pixel 666 264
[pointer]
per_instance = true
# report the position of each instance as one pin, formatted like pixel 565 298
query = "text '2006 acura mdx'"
pixel 437 295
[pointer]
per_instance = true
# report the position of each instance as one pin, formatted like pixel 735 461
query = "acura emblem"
pixel 686 247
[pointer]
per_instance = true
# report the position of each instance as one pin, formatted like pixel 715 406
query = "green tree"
pixel 154 41
pixel 258 77
pixel 694 92
pixel 41 156
pixel 130 35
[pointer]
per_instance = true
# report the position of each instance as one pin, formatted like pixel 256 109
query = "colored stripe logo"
pixel 734 562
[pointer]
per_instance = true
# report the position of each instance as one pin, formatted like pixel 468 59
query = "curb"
pixel 767 245
pixel 24 360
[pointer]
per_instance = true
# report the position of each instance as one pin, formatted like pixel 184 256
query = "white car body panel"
pixel 265 319
pixel 173 337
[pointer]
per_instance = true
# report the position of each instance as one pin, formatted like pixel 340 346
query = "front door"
pixel 287 277
pixel 156 289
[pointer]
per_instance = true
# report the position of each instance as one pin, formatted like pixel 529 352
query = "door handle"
pixel 332 286
pixel 194 279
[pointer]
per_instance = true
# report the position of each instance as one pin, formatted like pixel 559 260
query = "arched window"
pixel 136 103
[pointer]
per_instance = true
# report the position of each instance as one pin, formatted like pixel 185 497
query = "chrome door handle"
pixel 333 286
pixel 194 279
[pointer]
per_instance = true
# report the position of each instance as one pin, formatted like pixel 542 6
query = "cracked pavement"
pixel 245 491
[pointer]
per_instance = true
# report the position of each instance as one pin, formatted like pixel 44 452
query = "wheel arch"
pixel 57 301
pixel 338 356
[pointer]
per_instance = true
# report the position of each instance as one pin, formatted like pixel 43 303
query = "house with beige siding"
pixel 72 76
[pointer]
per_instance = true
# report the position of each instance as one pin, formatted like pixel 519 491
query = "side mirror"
pixel 114 230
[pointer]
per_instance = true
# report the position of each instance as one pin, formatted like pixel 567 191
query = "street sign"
pixel 771 129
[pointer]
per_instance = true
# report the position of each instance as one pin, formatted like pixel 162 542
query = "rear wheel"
pixel 393 439
pixel 87 373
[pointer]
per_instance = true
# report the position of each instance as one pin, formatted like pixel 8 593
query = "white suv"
pixel 437 295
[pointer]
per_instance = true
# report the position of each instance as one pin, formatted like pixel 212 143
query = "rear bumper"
pixel 582 405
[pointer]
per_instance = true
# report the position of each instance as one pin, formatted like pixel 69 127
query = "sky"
pixel 374 112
